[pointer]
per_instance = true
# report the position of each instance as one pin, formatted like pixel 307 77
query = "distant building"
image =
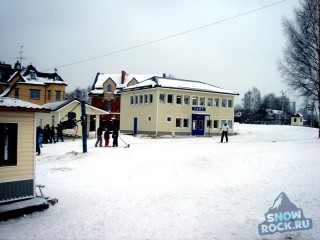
pixel 17 148
pixel 105 94
pixel 167 106
pixel 30 85
pixel 297 119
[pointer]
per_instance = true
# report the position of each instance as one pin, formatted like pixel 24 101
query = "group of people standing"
pixel 106 136
pixel 48 135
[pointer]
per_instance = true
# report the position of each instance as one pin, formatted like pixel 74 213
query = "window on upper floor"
pixel 146 98
pixel 162 98
pixel 49 94
pixel 170 99
pixel 202 101
pixel 179 99
pixel 224 103
pixel 216 102
pixel 58 95
pixel 34 94
pixel 141 99
pixel 33 75
pixel 109 88
pixel 230 103
pixel 150 98
pixel 186 100
pixel 16 92
pixel 8 144
pixel 210 102
pixel 194 101
pixel 131 100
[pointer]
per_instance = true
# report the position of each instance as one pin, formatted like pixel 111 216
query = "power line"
pixel 168 37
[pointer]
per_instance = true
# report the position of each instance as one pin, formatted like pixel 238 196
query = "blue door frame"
pixel 198 125
pixel 135 125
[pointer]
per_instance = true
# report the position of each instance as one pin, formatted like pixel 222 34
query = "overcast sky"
pixel 235 54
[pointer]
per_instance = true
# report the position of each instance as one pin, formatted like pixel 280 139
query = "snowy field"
pixel 175 188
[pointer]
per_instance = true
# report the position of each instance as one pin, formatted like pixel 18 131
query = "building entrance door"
pixel 197 125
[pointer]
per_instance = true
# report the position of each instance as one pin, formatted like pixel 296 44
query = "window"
pixel 109 88
pixel 224 103
pixel 169 119
pixel 162 98
pixel 108 109
pixel 179 99
pixel 294 119
pixel 34 94
pixel 16 92
pixel 146 99
pixel 230 124
pixel 186 100
pixel 194 101
pixel 8 144
pixel 210 102
pixel 185 122
pixel 215 124
pixel 230 103
pixel 149 118
pixel 178 122
pixel 57 78
pixel 209 123
pixel 141 99
pixel 150 98
pixel 131 100
pixel 58 95
pixel 202 101
pixel 170 99
pixel 216 102
pixel 49 94
pixel 33 75
pixel 136 100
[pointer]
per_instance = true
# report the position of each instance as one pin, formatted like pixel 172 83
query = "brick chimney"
pixel 123 76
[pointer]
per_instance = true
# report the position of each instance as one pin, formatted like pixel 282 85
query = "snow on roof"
pixel 97 91
pixel 179 84
pixel 117 79
pixel 42 81
pixel 13 102
pixel 5 92
pixel 297 115
pixel 56 105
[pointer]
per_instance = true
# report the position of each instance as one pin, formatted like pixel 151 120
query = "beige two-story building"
pixel 167 106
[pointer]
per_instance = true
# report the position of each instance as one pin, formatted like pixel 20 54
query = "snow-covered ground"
pixel 175 188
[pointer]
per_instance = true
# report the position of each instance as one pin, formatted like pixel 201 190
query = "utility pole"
pixel 282 117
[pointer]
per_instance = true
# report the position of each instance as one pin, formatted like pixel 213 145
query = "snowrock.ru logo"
pixel 284 216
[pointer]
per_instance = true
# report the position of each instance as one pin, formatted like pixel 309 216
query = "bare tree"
pixel 251 100
pixel 81 94
pixel 300 63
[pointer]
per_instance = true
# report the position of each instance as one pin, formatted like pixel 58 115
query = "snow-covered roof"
pixel 6 102
pixel 297 115
pixel 55 106
pixel 179 84
pixel 102 77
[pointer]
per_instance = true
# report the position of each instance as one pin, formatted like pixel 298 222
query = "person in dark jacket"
pixel 115 136
pixel 52 133
pixel 99 137
pixel 38 132
pixel 59 133
pixel 106 137
pixel 46 134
